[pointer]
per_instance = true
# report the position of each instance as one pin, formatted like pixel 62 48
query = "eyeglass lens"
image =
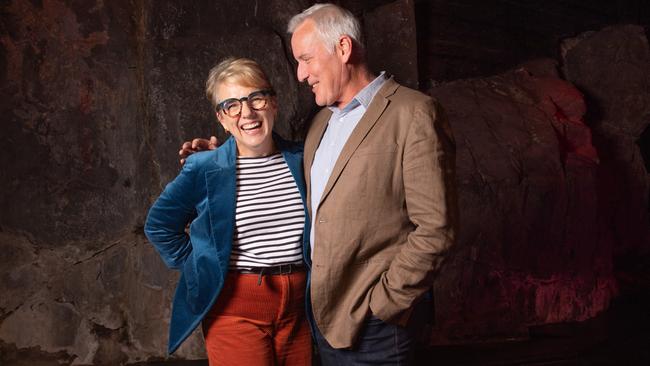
pixel 256 101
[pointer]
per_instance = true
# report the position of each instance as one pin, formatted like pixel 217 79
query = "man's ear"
pixel 344 48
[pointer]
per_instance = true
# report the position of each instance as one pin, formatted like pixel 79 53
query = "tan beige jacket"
pixel 387 215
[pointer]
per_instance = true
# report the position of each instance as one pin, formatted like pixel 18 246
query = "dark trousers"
pixel 379 343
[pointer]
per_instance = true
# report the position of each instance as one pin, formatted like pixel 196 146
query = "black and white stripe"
pixel 269 216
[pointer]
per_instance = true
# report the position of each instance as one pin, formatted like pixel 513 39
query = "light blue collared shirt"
pixel 339 128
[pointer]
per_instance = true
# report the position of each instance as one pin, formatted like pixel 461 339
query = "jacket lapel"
pixel 222 193
pixel 368 120
pixel 294 159
pixel 314 135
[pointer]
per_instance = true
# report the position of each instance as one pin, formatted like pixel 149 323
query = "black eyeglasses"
pixel 257 101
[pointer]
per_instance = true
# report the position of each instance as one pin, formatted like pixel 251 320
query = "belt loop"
pixel 259 278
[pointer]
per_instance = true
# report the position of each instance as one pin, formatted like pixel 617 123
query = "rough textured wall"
pixel 553 189
pixel 390 38
pixel 519 259
pixel 466 38
pixel 68 130
pixel 612 67
pixel 79 282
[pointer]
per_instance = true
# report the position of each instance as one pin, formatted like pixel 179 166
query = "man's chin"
pixel 321 102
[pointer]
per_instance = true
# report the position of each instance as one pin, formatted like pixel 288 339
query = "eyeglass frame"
pixel 264 92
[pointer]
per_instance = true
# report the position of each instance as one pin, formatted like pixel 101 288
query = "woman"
pixel 242 273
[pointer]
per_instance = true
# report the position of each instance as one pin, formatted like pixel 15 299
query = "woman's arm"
pixel 169 216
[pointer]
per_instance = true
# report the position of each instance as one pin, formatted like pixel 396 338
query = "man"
pixel 379 163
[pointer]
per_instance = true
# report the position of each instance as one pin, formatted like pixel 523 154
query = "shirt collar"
pixel 364 96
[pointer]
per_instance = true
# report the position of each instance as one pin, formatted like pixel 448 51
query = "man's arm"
pixel 198 144
pixel 430 193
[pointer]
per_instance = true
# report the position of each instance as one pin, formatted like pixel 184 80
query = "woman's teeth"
pixel 251 126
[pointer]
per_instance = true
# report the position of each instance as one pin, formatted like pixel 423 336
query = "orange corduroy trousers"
pixel 259 324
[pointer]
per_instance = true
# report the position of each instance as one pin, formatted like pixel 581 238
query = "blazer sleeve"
pixel 170 214
pixel 430 194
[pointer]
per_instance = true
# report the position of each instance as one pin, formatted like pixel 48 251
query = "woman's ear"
pixel 220 119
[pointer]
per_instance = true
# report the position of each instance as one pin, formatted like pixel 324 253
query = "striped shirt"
pixel 269 215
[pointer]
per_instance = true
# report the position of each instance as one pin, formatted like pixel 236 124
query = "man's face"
pixel 322 70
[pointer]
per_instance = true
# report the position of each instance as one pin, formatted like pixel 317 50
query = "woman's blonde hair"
pixel 243 71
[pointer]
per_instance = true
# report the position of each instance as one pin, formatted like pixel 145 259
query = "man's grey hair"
pixel 331 23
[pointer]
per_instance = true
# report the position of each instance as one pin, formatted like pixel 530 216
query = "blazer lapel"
pixel 222 193
pixel 294 160
pixel 368 120
pixel 314 135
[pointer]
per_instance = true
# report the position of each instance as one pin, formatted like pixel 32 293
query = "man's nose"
pixel 301 73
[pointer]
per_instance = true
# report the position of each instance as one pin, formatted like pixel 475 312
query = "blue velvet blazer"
pixel 204 195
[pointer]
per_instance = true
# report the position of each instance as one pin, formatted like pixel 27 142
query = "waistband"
pixel 280 269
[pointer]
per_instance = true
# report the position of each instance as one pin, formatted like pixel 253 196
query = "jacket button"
pixel 322 220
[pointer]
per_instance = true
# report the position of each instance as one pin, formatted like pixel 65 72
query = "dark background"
pixel 549 102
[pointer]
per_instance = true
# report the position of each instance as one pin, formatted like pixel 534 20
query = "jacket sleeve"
pixel 430 194
pixel 169 216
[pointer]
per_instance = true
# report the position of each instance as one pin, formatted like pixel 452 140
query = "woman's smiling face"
pixel 252 129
